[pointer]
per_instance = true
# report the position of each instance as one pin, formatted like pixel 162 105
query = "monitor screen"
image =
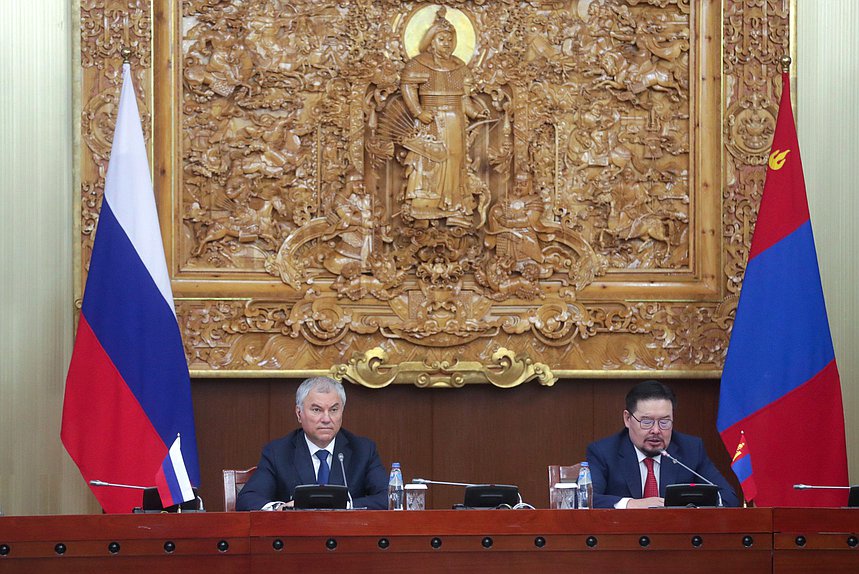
pixel 152 502
pixel 491 495
pixel 853 497
pixel 313 496
pixel 692 495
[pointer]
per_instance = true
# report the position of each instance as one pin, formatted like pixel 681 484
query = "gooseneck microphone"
pixel 346 484
pixel 115 485
pixel 426 481
pixel 675 461
pixel 704 478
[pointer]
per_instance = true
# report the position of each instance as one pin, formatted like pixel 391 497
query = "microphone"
pixel 346 484
pixel 482 491
pixel 814 487
pixel 675 461
pixel 426 481
pixel 115 485
pixel 704 478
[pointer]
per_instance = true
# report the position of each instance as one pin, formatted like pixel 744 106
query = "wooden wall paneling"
pixel 697 409
pixel 399 420
pixel 508 436
pixel 232 425
pixel 281 408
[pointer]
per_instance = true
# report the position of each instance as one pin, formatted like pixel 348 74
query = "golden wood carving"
pixel 505 370
pixel 439 194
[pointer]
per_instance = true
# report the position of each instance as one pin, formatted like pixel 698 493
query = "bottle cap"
pixel 584 464
pixel 395 465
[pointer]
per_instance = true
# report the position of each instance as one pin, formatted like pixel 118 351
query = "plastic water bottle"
pixel 396 490
pixel 586 487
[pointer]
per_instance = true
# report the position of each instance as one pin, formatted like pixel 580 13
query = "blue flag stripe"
pixel 742 467
pixel 172 481
pixel 770 352
pixel 138 330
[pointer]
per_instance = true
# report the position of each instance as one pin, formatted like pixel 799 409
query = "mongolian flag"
pixel 128 392
pixel 780 383
pixel 741 464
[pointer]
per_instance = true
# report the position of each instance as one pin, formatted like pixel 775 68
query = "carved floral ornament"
pixel 440 194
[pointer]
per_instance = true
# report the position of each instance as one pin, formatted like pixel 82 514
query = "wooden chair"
pixel 559 473
pixel 234 481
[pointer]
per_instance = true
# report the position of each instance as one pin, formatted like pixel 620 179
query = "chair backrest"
pixel 234 481
pixel 561 473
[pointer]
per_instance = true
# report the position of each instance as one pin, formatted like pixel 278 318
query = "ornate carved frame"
pixel 611 175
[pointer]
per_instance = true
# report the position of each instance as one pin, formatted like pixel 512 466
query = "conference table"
pixel 669 540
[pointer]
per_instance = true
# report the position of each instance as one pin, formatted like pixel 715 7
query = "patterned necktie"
pixel 650 486
pixel 324 469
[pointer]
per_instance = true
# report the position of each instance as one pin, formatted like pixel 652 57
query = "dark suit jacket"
pixel 615 468
pixel 286 463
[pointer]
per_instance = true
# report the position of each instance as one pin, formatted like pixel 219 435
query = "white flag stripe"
pixel 128 188
pixel 178 463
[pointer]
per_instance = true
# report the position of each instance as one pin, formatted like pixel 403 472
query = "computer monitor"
pixel 692 495
pixel 152 502
pixel 491 495
pixel 320 496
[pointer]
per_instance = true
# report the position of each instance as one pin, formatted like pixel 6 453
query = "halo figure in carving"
pixel 423 18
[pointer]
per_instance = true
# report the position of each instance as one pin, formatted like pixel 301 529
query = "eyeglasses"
pixel 647 424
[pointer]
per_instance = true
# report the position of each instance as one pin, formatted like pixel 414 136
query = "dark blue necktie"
pixel 324 469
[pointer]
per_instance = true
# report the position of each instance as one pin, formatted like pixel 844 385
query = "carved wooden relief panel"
pixel 450 192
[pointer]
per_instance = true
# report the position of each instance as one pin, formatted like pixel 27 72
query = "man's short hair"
pixel 321 384
pixel 647 390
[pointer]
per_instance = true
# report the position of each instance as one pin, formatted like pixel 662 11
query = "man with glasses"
pixel 628 468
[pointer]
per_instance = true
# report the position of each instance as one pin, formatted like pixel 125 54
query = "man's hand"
pixel 276 506
pixel 425 116
pixel 646 502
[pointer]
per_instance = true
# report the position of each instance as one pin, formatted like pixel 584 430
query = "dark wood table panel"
pixel 674 540
pixel 816 540
pixel 190 543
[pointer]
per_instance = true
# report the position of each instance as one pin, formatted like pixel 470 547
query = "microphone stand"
pixel 346 484
pixel 442 482
pixel 116 485
pixel 198 499
pixel 521 504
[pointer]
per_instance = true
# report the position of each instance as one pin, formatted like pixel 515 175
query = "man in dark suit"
pixel 628 468
pixel 310 455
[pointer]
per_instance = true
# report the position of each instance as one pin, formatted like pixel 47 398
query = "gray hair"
pixel 321 384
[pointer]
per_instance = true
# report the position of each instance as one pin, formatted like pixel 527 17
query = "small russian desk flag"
pixel 174 486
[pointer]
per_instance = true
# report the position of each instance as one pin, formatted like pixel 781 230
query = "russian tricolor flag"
pixel 174 486
pixel 780 383
pixel 128 392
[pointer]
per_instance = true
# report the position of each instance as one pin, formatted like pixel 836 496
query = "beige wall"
pixel 827 95
pixel 36 173
pixel 36 182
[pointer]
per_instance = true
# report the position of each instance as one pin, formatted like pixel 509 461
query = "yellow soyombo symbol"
pixel 777 159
